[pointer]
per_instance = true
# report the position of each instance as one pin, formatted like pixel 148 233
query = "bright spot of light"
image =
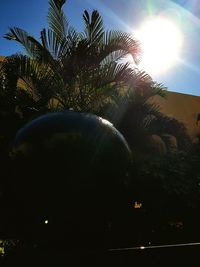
pixel 161 42
pixel 106 122
pixel 137 205
pixel 46 221
pixel 142 247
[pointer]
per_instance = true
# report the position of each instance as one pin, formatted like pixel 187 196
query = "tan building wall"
pixel 184 108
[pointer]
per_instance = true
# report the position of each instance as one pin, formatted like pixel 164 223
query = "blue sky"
pixel 124 15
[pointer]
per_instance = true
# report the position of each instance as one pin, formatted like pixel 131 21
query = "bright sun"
pixel 161 42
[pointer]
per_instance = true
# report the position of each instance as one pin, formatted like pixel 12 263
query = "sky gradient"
pixel 126 15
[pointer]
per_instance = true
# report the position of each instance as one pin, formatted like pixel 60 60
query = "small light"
pixel 137 205
pixel 142 247
pixel 46 221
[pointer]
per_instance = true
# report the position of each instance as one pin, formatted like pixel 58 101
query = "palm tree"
pixel 68 69
pixel 134 113
pixel 139 119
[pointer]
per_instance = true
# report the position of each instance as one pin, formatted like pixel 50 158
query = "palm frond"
pixel 115 56
pixel 94 29
pixel 120 41
pixel 59 3
pixel 115 72
pixel 39 79
pixel 143 87
pixel 159 89
pixel 50 42
pixel 31 46
pixel 57 19
pixel 57 48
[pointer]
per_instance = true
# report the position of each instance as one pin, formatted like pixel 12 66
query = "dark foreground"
pixel 169 256
pixel 176 256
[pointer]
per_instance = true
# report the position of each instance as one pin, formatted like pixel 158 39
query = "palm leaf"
pixel 59 3
pixel 143 86
pixel 39 79
pixel 94 29
pixel 31 46
pixel 50 42
pixel 57 48
pixel 57 19
pixel 115 56
pixel 119 41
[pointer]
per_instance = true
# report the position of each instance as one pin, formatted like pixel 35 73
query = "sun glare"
pixel 161 42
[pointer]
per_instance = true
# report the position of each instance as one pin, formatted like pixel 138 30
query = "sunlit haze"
pixel 161 42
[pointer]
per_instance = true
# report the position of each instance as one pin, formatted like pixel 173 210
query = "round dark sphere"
pixel 69 170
